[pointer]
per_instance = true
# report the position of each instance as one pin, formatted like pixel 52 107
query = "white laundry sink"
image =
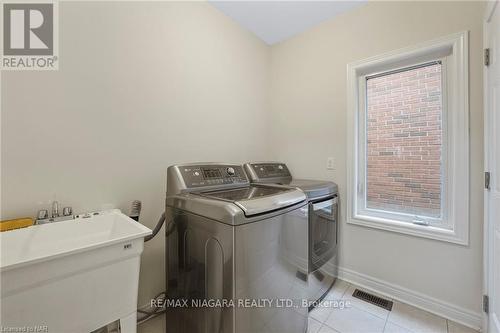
pixel 71 276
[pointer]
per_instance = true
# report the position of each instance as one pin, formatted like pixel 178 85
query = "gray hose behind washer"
pixel 156 229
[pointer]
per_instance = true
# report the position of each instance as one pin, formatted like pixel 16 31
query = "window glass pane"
pixel 404 142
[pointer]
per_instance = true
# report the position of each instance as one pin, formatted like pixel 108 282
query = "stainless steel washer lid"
pixel 315 189
pixel 258 199
pixel 237 212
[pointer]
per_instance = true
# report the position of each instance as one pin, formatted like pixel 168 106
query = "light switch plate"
pixel 330 163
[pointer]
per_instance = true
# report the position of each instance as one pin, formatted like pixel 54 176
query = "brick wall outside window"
pixel 404 141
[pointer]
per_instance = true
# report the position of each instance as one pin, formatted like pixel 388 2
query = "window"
pixel 404 145
pixel 408 141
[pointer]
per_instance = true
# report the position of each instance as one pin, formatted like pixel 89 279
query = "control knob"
pixel 230 171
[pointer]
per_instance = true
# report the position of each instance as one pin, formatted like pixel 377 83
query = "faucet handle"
pixel 42 214
pixel 67 211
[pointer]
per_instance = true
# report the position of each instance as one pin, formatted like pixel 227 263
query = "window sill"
pixel 430 232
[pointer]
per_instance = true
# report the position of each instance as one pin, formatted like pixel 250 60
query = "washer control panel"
pixel 270 170
pixel 212 175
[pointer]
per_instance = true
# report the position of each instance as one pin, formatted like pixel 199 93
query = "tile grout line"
pixel 323 323
pixel 385 324
pixel 366 311
pixel 371 313
pixel 357 308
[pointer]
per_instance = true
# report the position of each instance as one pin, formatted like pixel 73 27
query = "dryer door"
pixel 323 226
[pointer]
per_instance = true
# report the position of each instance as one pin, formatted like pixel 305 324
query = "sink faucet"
pixel 43 216
pixel 55 209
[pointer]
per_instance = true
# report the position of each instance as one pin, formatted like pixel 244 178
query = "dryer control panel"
pixel 268 172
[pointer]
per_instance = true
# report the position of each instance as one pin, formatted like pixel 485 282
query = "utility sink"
pixel 72 276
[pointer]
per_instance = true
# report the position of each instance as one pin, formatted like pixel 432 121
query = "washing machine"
pixel 322 212
pixel 236 253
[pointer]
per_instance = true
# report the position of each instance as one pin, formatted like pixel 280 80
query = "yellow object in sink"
pixel 15 224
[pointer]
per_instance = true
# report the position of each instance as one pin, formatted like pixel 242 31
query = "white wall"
pixel 145 85
pixel 141 86
pixel 309 75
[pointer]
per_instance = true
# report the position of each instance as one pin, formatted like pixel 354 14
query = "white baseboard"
pixel 424 302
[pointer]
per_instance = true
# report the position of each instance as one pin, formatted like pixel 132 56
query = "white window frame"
pixel 452 51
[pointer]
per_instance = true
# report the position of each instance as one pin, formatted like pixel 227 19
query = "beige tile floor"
pixel 359 317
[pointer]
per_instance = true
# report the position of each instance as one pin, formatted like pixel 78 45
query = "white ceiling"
pixel 275 21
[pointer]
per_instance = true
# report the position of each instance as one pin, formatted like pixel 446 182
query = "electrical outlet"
pixel 330 163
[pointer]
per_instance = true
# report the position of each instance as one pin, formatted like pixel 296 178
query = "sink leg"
pixel 128 324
